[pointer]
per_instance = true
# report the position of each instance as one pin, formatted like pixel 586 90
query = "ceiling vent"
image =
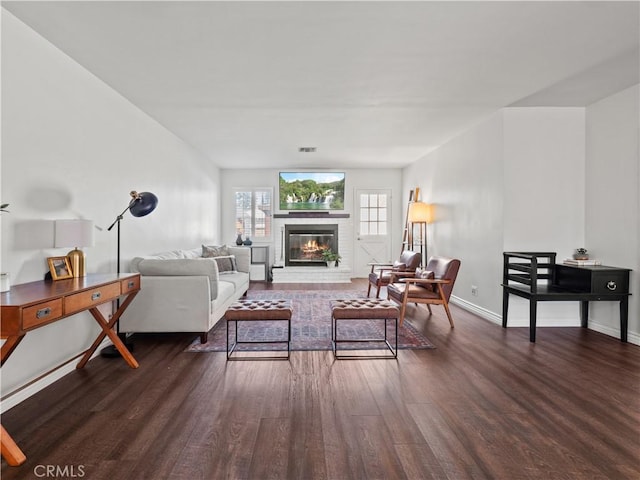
pixel 306 149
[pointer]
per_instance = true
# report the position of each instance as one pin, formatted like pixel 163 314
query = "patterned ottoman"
pixel 364 309
pixel 258 310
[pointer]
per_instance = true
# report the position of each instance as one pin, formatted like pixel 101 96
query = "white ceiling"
pixel 370 84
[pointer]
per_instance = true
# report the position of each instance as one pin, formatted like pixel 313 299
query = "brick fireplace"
pixel 303 244
pixel 314 270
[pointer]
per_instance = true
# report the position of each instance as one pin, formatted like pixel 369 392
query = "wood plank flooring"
pixel 485 404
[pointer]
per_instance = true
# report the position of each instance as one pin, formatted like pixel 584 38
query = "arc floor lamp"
pixel 141 204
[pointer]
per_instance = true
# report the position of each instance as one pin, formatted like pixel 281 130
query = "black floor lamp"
pixel 420 214
pixel 141 204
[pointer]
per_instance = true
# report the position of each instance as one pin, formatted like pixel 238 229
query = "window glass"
pixel 373 214
pixel 254 212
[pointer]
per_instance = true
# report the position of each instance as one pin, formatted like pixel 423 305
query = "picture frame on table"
pixel 60 268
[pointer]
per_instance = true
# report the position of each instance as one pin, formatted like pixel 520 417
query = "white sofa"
pixel 181 291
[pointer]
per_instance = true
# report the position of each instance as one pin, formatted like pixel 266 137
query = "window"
pixel 254 209
pixel 373 214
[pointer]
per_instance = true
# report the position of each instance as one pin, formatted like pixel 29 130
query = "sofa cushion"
pixel 182 267
pixel 172 254
pixel 226 264
pixel 209 251
pixel 169 255
pixel 239 280
pixel 226 292
pixel 193 253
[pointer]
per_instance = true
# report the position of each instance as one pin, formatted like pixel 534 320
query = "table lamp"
pixel 74 233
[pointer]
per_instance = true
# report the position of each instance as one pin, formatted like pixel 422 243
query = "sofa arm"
pixel 170 304
pixel 243 258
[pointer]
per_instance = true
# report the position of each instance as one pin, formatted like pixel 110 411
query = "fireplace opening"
pixel 304 243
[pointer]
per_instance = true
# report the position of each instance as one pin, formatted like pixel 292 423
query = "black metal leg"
pixel 505 307
pixel 334 327
pixel 532 320
pixel 396 320
pixel 230 349
pixel 289 338
pixel 584 314
pixel 335 340
pixel 624 318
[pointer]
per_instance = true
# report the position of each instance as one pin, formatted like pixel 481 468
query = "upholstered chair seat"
pixel 381 273
pixel 415 291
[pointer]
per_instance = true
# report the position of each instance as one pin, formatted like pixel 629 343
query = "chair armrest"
pixel 425 281
pixel 401 275
pixel 376 264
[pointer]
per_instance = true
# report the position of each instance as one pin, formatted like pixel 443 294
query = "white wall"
pixel 73 148
pixel 501 185
pixel 544 151
pixel 612 222
pixel 544 179
pixel 355 179
pixel 539 179
pixel 464 181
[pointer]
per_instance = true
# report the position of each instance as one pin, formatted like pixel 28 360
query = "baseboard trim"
pixel 493 317
pixel 481 312
pixel 632 337
pixel 32 387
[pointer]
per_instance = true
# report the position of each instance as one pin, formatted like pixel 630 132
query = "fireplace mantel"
pixel 311 215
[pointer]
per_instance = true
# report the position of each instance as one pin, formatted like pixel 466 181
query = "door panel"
pixel 372 241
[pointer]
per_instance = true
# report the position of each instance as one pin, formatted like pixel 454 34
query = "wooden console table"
pixel 562 283
pixel 33 305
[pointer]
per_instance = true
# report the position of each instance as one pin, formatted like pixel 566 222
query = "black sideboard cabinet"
pixel 537 277
pixel 596 279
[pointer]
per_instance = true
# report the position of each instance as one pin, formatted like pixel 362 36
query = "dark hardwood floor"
pixel 485 404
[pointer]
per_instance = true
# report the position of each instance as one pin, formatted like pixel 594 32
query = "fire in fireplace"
pixel 304 244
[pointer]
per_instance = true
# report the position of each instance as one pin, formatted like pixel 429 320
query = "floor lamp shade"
pixel 420 214
pixel 142 203
pixel 74 233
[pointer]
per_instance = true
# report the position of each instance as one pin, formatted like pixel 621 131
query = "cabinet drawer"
pixel 609 282
pixel 41 313
pixel 91 298
pixel 130 285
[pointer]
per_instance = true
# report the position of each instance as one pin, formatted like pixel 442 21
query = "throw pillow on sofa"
pixel 226 264
pixel 211 251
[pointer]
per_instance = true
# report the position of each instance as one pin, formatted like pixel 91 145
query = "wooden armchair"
pixel 431 286
pixel 381 272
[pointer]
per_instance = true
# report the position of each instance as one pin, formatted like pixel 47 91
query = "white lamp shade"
pixel 73 233
pixel 420 212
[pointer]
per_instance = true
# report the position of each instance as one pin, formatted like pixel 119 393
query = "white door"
pixel 372 230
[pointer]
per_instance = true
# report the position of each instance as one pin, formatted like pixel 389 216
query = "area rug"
pixel 310 325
